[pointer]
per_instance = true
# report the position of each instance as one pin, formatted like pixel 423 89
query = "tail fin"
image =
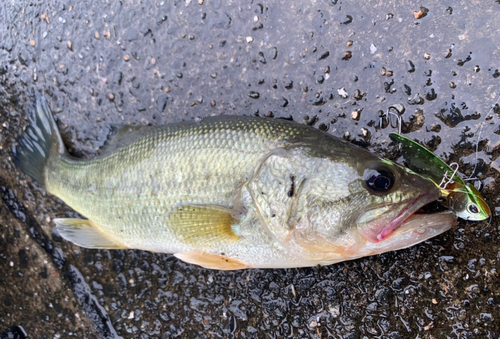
pixel 40 142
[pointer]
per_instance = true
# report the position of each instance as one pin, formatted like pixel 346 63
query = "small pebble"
pixel 111 96
pixel 429 326
pixel 342 92
pixel 427 56
pixel 200 2
pixel 350 43
pixel 254 95
pixel 249 39
pixel 355 115
pixel 70 45
pixel 212 103
pixel 126 57
pixel 421 13
pixel 32 42
pixel 167 89
pixel 96 35
pixel 346 55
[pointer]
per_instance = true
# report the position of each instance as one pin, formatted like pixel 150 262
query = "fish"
pixel 231 192
pixel 460 197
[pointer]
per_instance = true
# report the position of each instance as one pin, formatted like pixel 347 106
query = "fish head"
pixel 378 214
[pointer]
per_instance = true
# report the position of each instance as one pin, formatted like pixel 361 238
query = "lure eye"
pixel 472 208
pixel 380 180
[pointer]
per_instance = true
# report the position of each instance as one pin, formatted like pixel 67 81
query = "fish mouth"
pixel 376 225
pixel 416 228
pixel 406 213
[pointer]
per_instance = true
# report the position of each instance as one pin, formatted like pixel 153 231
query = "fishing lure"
pixel 461 197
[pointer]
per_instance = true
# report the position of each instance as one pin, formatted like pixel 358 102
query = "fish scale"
pixel 231 192
pixel 177 161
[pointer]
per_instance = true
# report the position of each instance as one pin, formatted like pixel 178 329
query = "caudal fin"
pixel 40 142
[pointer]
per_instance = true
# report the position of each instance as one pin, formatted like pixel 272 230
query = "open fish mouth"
pixel 407 213
pixel 382 227
pixel 415 229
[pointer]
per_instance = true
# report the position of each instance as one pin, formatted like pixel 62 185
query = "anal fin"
pixel 84 233
pixel 211 261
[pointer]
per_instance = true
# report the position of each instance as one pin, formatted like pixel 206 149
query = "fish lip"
pixel 434 215
pixel 407 212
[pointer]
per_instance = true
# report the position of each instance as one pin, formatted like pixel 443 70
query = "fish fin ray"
pixel 211 261
pixel 120 136
pixel 85 233
pixel 40 143
pixel 203 225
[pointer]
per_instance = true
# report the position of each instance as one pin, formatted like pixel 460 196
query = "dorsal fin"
pixel 122 135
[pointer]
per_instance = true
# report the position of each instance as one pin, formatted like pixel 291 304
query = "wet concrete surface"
pixel 337 65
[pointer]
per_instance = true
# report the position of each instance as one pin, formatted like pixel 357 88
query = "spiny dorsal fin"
pixel 211 261
pixel 203 226
pixel 84 233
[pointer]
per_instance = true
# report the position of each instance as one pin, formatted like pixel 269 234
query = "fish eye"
pixel 379 180
pixel 472 208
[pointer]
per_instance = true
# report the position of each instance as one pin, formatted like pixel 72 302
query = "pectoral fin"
pixel 84 233
pixel 203 226
pixel 211 261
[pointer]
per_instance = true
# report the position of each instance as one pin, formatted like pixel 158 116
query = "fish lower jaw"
pixel 416 229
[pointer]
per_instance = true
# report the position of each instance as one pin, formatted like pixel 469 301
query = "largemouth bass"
pixel 232 192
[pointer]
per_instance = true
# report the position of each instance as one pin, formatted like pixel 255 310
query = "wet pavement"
pixel 336 65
